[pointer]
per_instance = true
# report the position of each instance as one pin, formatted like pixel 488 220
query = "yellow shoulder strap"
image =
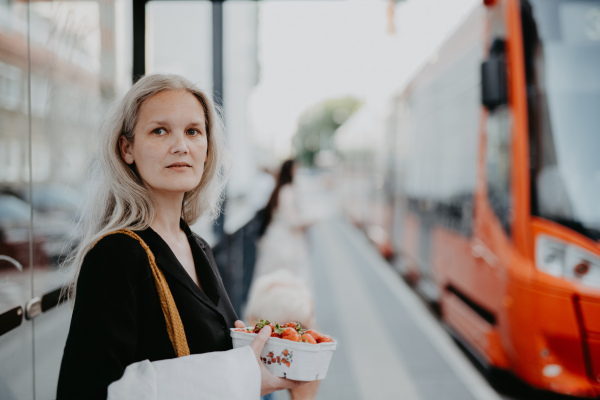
pixel 172 318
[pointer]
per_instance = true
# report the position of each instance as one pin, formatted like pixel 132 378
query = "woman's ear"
pixel 125 147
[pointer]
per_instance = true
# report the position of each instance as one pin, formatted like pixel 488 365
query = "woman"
pixel 161 164
pixel 282 242
pixel 282 268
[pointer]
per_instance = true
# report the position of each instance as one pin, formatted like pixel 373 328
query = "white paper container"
pixel 293 360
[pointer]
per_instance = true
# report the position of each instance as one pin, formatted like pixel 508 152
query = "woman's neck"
pixel 167 215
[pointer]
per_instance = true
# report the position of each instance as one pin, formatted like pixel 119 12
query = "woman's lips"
pixel 179 166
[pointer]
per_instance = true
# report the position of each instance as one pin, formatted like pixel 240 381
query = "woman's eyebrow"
pixel 158 123
pixel 200 124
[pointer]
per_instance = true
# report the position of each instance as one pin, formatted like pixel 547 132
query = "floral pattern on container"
pixel 284 358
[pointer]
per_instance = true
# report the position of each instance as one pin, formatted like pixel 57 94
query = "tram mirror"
pixel 493 83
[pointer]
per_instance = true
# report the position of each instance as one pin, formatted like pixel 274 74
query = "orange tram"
pixel 492 182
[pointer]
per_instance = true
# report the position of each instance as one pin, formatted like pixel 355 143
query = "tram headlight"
pixel 565 260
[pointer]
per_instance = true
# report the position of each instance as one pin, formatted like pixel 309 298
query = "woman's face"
pixel 170 142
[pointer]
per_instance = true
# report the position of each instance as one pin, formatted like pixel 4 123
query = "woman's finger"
pixel 260 341
pixel 239 324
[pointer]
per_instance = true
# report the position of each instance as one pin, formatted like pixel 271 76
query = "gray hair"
pixel 117 198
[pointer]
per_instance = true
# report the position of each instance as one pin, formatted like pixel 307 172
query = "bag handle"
pixel 167 303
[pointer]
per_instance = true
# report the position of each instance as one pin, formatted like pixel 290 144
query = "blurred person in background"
pixel 262 187
pixel 282 234
pixel 281 287
pixel 160 166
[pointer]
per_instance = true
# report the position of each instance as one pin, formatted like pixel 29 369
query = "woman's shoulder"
pixel 116 241
pixel 115 253
pixel 112 270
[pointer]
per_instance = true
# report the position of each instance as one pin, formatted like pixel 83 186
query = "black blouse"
pixel 117 319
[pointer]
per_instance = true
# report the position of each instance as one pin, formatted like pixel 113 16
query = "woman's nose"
pixel 179 144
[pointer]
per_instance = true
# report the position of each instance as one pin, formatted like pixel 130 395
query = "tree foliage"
pixel 317 125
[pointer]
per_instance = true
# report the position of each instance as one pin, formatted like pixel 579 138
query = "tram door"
pixel 490 244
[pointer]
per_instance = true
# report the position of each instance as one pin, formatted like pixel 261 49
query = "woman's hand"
pixel 269 382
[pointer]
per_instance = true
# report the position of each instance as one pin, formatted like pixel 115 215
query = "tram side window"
pixel 498 164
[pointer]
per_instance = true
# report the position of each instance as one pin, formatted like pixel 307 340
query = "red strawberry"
pixel 325 339
pixel 316 335
pixel 307 338
pixel 290 334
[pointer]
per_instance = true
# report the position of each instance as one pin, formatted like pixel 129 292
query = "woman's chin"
pixel 176 187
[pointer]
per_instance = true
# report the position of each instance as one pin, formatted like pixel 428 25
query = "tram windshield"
pixel 562 48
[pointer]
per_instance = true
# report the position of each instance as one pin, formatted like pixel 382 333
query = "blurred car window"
pixel 13 209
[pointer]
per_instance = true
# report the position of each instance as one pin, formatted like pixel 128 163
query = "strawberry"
pixel 325 339
pixel 316 335
pixel 288 331
pixel 307 338
pixel 290 334
pixel 296 325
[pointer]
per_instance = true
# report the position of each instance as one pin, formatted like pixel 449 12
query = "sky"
pixel 308 51
pixel 313 50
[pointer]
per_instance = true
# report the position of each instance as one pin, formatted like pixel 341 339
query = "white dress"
pixel 284 246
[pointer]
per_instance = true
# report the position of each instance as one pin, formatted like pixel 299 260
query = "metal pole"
pixel 139 39
pixel 217 20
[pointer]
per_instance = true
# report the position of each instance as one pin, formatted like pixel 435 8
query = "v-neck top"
pixel 206 275
pixel 117 318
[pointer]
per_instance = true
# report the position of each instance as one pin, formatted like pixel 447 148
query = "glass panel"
pixel 563 39
pixel 187 51
pixel 240 76
pixel 498 157
pixel 16 368
pixel 77 70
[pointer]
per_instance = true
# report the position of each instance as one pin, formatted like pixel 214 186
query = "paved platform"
pixel 390 346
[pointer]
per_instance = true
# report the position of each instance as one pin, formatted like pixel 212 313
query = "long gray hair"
pixel 117 198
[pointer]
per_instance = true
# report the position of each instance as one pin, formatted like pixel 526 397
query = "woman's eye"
pixel 193 132
pixel 160 131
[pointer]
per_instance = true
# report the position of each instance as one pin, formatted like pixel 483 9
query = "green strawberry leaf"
pixel 278 329
pixel 261 324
